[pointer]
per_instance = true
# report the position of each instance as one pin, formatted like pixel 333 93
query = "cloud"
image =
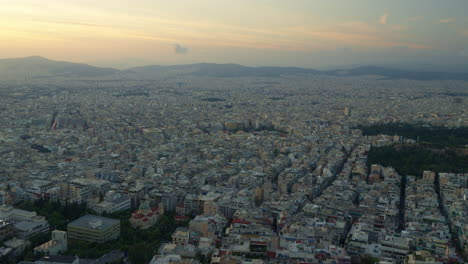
pixel 179 49
pixel 103 26
pixel 383 19
pixel 70 23
pixel 446 20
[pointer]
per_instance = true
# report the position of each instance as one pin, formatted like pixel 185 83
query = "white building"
pixel 58 244
pixel 113 202
pixel 14 215
pixel 26 223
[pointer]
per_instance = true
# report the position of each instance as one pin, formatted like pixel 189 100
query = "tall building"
pixel 73 192
pixel 347 111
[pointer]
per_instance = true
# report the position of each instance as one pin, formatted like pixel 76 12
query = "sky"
pixel 304 33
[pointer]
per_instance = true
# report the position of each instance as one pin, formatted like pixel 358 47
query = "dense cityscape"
pixel 200 169
pixel 233 132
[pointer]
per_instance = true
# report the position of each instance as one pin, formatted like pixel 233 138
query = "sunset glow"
pixel 224 31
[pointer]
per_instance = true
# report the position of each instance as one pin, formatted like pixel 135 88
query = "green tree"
pixel 367 259
pixel 138 253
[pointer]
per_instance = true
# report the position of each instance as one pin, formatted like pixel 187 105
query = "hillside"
pixel 39 67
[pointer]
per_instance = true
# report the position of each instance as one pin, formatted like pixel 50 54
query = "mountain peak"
pixel 35 58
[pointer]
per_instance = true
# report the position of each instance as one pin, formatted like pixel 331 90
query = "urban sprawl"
pixel 252 169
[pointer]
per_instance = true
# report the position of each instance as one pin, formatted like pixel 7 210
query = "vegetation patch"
pixel 414 159
pixel 442 136
pixel 140 245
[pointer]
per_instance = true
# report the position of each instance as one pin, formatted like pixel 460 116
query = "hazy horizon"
pixel 457 68
pixel 310 34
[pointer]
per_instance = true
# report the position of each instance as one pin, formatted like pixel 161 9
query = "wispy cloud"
pixel 446 20
pixel 179 49
pixel 384 18
pixel 110 26
pixel 72 23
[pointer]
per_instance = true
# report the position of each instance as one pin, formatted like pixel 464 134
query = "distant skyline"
pixel 303 33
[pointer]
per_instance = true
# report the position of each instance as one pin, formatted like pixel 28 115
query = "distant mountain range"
pixel 391 73
pixel 222 70
pixel 39 67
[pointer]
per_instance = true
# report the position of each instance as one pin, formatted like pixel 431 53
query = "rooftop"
pixel 26 226
pixel 94 222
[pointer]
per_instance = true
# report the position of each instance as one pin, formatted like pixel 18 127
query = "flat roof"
pixel 94 222
pixel 25 226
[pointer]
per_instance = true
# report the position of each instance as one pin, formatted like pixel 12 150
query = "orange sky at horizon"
pixel 86 31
